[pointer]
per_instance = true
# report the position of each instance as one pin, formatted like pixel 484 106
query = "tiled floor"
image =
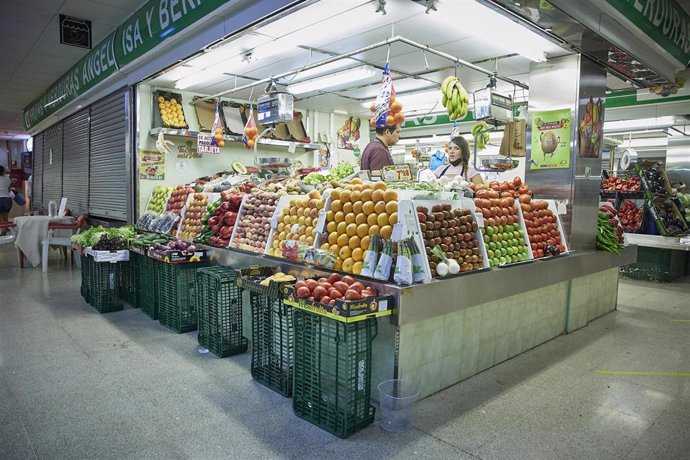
pixel 76 384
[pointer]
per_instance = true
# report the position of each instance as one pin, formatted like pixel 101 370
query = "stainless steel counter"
pixel 656 241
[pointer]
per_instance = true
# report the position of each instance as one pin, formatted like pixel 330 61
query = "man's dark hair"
pixel 382 130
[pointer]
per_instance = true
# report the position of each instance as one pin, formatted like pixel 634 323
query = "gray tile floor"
pixel 76 384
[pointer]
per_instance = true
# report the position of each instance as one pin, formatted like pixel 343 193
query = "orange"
pixel 356 195
pixel 281 227
pixel 336 205
pixel 368 207
pixel 374 229
pixel 331 227
pixel 391 206
pixel 320 204
pixel 380 185
pixel 357 188
pixel 282 236
pixel 338 265
pixel 347 207
pixel 377 195
pixel 345 196
pixel 310 240
pixel 362 230
pixel 309 231
pixel 348 187
pixel 354 242
pixel 358 254
pixel 364 244
pixel 360 219
pixel 351 229
pixel 390 195
pixel 325 246
pixel 356 180
pixel 347 265
pixel 303 238
pixel 366 194
pixel 343 240
pixel 344 252
pixel 393 218
pixel 340 228
pixel 357 207
pixel 350 218
pixel 357 268
pixel 372 219
pixel 289 236
pixel 386 231
pixel 306 211
pixel 293 219
pixel 382 219
pixel 339 216
pixel 307 221
pixel 380 207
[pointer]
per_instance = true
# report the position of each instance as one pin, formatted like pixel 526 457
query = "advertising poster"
pixel 551 139
pixel 151 165
pixel 348 134
pixel 591 129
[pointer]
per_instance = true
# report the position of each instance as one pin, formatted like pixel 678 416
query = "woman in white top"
pixel 459 162
pixel 5 198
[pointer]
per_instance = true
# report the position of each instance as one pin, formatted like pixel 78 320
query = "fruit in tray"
pixel 454 230
pixel 171 112
pixel 358 211
pixel 278 277
pixel 178 198
pixel 219 219
pixel 191 227
pixel 502 232
pixel 297 222
pixel 495 189
pixel 630 216
pixel 157 202
pixel 656 179
pixel 620 184
pixel 542 229
pixel 255 221
pixel 335 287
pixel 175 245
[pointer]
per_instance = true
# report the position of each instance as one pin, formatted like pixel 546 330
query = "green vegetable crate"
pixel 148 284
pixel 219 307
pixel 176 294
pixel 103 285
pixel 332 372
pixel 128 278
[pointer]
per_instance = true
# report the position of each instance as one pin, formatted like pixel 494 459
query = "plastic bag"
pixel 250 130
pixel 383 267
pixel 387 110
pixel 217 129
pixel 437 159
pixel 403 265
pixel 371 256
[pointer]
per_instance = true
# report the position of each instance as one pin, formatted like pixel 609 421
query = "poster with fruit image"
pixel 591 129
pixel 551 139
pixel 348 134
pixel 151 165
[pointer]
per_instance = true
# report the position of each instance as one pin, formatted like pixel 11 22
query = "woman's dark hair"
pixel 465 152
pixel 2 170
pixel 382 130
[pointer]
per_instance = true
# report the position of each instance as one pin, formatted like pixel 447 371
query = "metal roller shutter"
pixel 108 165
pixel 52 165
pixel 75 171
pixel 37 175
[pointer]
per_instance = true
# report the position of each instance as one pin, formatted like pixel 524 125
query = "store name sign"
pixel 664 21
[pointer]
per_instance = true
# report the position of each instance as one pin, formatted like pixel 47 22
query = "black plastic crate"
pixel 128 277
pixel 219 307
pixel 85 267
pixel 250 279
pixel 176 295
pixel 148 284
pixel 272 343
pixel 103 286
pixel 332 372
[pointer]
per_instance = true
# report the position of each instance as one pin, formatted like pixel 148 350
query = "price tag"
pixel 321 224
pixel 292 147
pixel 295 229
pixel 480 220
pixel 274 220
pixel 364 175
pixel 561 207
pixel 397 173
pixel 397 233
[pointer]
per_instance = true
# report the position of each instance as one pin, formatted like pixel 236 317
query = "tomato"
pixel 325 299
pixel 302 292
pixel 333 293
pixel 334 278
pixel 312 284
pixel 341 286
pixel 351 294
pixel 357 286
pixel 348 280
pixel 300 284
pixel 319 292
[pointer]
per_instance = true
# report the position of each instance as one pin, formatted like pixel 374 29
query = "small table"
pixel 32 230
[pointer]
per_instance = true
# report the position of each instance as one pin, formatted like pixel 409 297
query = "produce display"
pixel 542 228
pixel 608 239
pixel 358 211
pixel 621 184
pixel 342 170
pixel 158 198
pixel 503 235
pixel 630 216
pixel 277 277
pixel 171 112
pixel 254 222
pixel 297 222
pixel 191 225
pixel 335 287
pixel 454 97
pixel 149 239
pixel 669 218
pixel 314 178
pixel 655 179
pixel 178 198
pixel 92 236
pixel 219 220
pixel 449 234
pixel 184 247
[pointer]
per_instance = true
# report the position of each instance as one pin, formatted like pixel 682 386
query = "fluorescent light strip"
pixel 202 76
pixel 641 124
pixel 336 79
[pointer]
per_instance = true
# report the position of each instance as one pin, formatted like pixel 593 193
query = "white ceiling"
pixel 31 56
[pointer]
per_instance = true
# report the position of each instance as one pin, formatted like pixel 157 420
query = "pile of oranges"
pixel 250 132
pixel 357 211
pixel 394 116
pixel 297 222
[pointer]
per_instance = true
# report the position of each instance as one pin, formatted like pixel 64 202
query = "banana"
pixel 455 98
pixel 446 81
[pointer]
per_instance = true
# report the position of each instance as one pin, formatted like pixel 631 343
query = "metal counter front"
pixel 448 330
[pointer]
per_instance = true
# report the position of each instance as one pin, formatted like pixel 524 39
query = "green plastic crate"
pixel 219 307
pixel 272 343
pixel 148 285
pixel 103 286
pixel 176 294
pixel 332 372
pixel 85 267
pixel 129 280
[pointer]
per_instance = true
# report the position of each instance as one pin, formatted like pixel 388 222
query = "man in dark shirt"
pixel 376 154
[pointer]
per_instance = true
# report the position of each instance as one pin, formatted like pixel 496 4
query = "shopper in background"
pixel 5 198
pixel 376 154
pixel 459 162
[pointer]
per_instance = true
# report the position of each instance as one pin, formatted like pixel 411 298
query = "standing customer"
pixel 459 162
pixel 376 154
pixel 5 198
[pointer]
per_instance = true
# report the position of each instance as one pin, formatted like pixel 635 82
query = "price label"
pixel 397 233
pixel 561 207
pixel 292 147
pixel 274 220
pixel 397 173
pixel 321 224
pixel 480 220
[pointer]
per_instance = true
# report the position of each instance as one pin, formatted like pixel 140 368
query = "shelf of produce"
pixel 238 138
pixel 657 241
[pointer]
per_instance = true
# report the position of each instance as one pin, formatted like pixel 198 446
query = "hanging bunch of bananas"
pixel 480 131
pixel 455 98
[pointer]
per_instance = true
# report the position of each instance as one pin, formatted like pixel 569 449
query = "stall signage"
pixel 205 144
pixel 550 139
pixel 397 173
pixel 664 21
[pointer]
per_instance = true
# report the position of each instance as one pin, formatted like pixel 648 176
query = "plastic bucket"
pixel 397 398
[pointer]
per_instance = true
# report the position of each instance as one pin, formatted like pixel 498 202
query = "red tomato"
pixel 302 292
pixel 333 293
pixel 300 284
pixel 348 280
pixel 334 278
pixel 341 286
pixel 319 292
pixel 325 299
pixel 351 294
pixel 357 286
pixel 312 284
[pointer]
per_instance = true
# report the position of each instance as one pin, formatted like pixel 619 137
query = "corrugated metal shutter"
pixel 75 170
pixel 108 166
pixel 52 165
pixel 37 175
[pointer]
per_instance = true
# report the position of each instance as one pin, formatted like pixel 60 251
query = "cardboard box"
pixel 344 311
pixel 655 205
pixel 205 113
pixel 167 95
pixel 108 256
pixel 178 257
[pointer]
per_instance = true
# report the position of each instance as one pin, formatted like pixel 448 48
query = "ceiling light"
pixel 320 70
pixel 202 76
pixel 641 124
pixel 336 79
pixel 659 143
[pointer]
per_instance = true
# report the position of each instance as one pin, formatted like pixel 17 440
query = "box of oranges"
pixel 295 220
pixel 169 108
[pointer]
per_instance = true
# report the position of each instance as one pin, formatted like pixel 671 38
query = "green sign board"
pixel 664 21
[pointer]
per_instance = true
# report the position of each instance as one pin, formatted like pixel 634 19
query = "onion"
pixel 442 269
pixel 453 267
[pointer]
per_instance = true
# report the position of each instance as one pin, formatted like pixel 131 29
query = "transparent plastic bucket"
pixel 397 398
